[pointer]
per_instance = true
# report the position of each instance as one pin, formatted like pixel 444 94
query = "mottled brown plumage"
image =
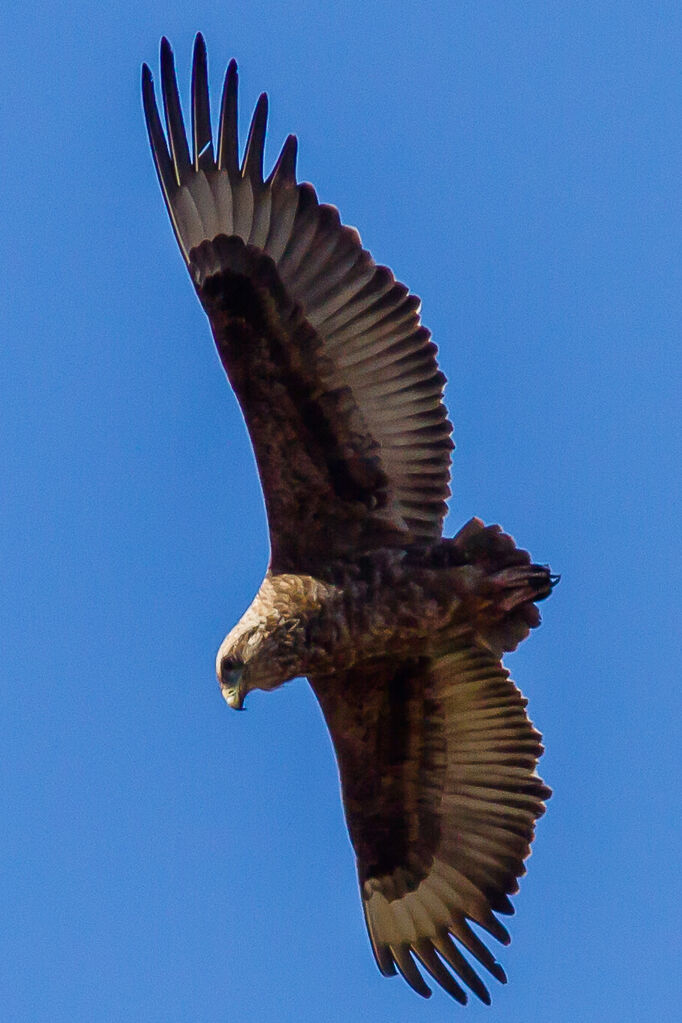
pixel 399 631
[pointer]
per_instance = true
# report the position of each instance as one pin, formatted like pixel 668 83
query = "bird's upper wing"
pixel 437 762
pixel 335 375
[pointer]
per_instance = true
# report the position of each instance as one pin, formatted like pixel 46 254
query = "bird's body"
pixel 399 602
pixel 399 631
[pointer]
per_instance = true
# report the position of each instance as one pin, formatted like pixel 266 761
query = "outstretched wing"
pixel 437 761
pixel 335 375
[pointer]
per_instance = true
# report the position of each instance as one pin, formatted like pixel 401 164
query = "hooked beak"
pixel 232 690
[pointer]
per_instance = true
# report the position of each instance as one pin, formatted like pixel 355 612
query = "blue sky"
pixel 519 167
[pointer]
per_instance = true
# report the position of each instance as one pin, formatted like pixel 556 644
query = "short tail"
pixel 506 583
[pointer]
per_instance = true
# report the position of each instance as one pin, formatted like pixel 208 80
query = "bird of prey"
pixel 399 631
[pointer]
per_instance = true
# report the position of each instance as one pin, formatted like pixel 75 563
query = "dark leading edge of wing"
pixel 363 418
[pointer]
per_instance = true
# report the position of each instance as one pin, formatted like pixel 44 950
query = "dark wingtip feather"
pixel 284 171
pixel 228 143
pixel 482 993
pixel 464 970
pixel 175 125
pixel 496 970
pixel 202 137
pixel 493 926
pixel 157 139
pixel 408 969
pixel 425 951
pixel 501 903
pixel 307 197
pixel 151 113
pixel 252 166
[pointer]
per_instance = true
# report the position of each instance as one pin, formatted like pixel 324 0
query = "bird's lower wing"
pixel 437 759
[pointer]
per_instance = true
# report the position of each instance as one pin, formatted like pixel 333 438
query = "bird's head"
pixel 230 673
pixel 256 657
pixel 270 644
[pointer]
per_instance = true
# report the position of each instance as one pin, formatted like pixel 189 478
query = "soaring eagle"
pixel 399 631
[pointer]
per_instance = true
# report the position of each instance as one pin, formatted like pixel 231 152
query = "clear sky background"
pixel 520 167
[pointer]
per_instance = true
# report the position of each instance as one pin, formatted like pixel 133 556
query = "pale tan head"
pixel 246 660
pixel 267 646
pixel 270 646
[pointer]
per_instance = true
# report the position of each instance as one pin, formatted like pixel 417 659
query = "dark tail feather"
pixel 508 587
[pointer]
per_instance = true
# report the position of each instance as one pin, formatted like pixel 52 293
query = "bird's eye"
pixel 230 665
